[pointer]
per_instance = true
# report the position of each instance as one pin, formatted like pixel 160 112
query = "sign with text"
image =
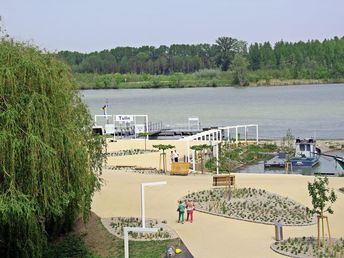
pixel 124 118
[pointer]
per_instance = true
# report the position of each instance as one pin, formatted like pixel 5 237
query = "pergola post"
pixel 217 159
pixel 193 160
pixel 143 219
pixel 126 230
pixel 147 129
pixel 188 150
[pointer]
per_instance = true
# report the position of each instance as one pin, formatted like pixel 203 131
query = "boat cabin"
pixel 305 148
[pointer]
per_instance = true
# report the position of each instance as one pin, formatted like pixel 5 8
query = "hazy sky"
pixel 90 25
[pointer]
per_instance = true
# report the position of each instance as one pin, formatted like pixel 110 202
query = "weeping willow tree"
pixel 50 161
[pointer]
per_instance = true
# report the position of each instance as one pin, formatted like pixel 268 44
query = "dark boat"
pixel 340 160
pixel 306 153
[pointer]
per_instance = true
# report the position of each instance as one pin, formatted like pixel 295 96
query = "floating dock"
pixel 277 161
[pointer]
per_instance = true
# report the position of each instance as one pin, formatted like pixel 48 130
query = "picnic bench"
pixel 224 180
pixel 180 168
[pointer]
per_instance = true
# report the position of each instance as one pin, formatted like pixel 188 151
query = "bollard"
pixel 170 251
pixel 278 231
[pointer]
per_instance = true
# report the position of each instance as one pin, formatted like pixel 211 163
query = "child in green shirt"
pixel 181 209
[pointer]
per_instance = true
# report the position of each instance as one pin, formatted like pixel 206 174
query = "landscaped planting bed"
pixel 134 169
pixel 115 226
pixel 308 247
pixel 129 152
pixel 252 204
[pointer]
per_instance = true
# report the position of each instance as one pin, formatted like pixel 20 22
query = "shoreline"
pixel 152 159
pixel 209 84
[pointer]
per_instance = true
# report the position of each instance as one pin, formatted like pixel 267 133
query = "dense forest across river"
pixel 227 62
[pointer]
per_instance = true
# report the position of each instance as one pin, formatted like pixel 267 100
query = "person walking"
pixel 181 210
pixel 189 210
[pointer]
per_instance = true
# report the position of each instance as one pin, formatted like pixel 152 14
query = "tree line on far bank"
pixel 313 60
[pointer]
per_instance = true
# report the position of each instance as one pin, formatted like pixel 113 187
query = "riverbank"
pixel 152 159
pixel 180 80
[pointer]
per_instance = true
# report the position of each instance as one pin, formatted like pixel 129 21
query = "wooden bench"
pixel 223 180
pixel 180 168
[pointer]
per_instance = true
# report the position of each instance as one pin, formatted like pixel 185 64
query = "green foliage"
pixel 251 204
pixel 226 49
pixel 288 144
pixel 145 134
pixel 208 74
pixel 232 157
pixel 308 247
pixel 49 158
pixel 163 147
pixel 196 65
pixel 18 220
pixel 150 249
pixel 210 164
pixel 200 147
pixel 70 247
pixel 135 81
pixel 322 196
pixel 240 70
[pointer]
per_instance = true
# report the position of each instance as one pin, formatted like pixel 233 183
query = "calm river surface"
pixel 309 110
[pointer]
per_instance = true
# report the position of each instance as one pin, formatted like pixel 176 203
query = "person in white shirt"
pixel 175 156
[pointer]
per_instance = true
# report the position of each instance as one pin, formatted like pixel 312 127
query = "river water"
pixel 326 166
pixel 309 110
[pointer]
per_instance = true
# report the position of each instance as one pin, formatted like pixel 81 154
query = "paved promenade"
pixel 211 236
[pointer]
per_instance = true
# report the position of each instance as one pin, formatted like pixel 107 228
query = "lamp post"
pixel 143 198
pixel 134 229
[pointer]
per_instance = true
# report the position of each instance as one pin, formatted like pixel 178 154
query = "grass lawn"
pixel 93 240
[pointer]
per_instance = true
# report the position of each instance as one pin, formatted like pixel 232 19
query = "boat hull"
pixel 340 161
pixel 305 163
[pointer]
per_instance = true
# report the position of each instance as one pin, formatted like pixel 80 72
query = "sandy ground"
pixel 207 236
pixel 146 160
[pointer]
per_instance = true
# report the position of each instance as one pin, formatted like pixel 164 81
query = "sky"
pixel 94 25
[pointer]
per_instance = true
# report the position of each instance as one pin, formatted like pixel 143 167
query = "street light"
pixel 143 198
pixel 134 229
